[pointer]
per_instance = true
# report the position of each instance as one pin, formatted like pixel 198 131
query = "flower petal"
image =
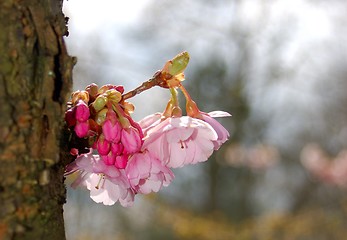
pixel 215 114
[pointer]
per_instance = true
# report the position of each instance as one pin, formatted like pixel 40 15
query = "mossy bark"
pixel 35 81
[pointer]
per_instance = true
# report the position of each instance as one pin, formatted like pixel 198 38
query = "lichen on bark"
pixel 35 81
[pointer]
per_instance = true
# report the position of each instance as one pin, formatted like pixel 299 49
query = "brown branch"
pixel 154 81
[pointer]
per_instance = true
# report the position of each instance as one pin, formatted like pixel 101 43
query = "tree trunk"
pixel 35 81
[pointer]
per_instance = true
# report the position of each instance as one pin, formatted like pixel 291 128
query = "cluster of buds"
pixel 137 158
pixel 99 115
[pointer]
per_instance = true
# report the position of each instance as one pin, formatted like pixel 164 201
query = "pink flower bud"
pixel 109 159
pixel 112 130
pixel 74 151
pixel 103 146
pixel 70 117
pixel 121 161
pixel 82 111
pixel 120 89
pixel 131 140
pixel 117 148
pixel 81 129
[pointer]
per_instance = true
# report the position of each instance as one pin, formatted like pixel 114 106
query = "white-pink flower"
pixel 147 174
pixel 107 184
pixel 178 141
pixel 150 121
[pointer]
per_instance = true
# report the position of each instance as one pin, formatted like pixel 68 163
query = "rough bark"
pixel 35 80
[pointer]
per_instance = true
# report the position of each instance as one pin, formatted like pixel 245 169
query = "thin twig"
pixel 154 81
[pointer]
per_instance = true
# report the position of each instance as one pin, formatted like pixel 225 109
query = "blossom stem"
pixel 154 81
pixel 172 108
pixel 174 97
pixel 191 107
pixel 185 93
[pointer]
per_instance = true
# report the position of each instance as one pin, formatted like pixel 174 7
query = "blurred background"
pixel 279 67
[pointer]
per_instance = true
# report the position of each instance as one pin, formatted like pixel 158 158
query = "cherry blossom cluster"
pixel 126 157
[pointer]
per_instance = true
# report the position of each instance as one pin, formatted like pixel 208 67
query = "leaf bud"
pixel 92 89
pixel 178 64
pixel 114 95
pixel 101 116
pixel 99 103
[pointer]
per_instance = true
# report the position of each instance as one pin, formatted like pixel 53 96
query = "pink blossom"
pixel 179 141
pixel 315 160
pixel 147 174
pixel 110 189
pixel 150 121
pixel 328 169
pixel 222 133
pixel 339 169
pixel 107 184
